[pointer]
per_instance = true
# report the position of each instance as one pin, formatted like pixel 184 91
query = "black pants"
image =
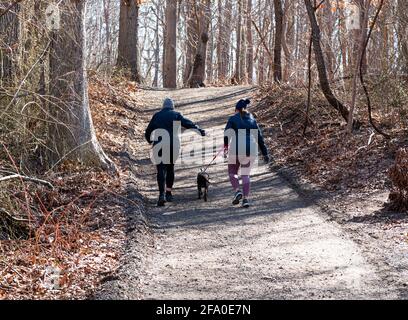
pixel 165 176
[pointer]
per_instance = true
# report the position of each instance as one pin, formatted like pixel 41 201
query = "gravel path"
pixel 283 247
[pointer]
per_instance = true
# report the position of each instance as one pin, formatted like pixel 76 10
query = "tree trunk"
pixel 321 65
pixel 73 137
pixel 107 18
pixel 156 49
pixel 263 23
pixel 9 34
pixel 220 43
pixel 224 37
pixel 331 59
pixel 243 51
pixel 198 73
pixel 192 38
pixel 210 53
pixel 128 37
pixel 250 46
pixel 277 59
pixel 403 33
pixel 342 39
pixel 287 34
pixel 357 58
pixel 364 27
pixel 237 77
pixel 170 44
pixel 357 34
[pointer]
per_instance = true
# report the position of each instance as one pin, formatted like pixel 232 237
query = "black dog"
pixel 203 182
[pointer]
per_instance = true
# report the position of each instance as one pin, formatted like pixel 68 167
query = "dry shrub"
pixel 390 95
pixel 81 220
pixel 326 155
pixel 399 176
pixel 78 223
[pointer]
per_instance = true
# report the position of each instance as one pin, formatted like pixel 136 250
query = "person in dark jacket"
pixel 242 137
pixel 168 120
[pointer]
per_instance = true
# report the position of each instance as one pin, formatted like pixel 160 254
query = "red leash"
pixel 212 161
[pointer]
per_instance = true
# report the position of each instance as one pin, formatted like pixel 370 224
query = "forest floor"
pixel 79 229
pixel 287 245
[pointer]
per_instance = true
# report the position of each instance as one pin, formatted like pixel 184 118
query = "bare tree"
pixel 192 35
pixel 211 48
pixel 250 47
pixel 9 34
pixel 157 47
pixel 358 56
pixel 402 6
pixel 287 36
pixel 362 71
pixel 73 136
pixel 224 37
pixel 243 51
pixel 198 72
pixel 108 31
pixel 170 45
pixel 238 76
pixel 129 37
pixel 277 62
pixel 321 65
pixel 220 42
pixel 327 15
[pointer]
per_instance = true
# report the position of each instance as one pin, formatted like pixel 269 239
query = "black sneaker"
pixel 169 197
pixel 237 198
pixel 245 203
pixel 162 201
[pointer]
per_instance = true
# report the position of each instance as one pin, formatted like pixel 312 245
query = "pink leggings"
pixel 245 171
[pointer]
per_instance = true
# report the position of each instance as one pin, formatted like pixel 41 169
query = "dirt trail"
pixel 281 248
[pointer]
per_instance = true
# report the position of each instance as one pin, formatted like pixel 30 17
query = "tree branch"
pixel 387 136
pixel 25 178
pixel 10 216
pixel 11 6
pixel 262 38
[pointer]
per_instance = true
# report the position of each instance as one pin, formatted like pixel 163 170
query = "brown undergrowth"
pixel 399 177
pixel 61 242
pixel 327 155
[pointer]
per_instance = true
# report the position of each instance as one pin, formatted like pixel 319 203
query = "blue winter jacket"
pixel 246 135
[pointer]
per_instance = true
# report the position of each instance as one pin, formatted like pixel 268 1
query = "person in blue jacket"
pixel 242 137
pixel 169 120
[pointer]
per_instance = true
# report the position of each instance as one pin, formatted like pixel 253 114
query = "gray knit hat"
pixel 168 104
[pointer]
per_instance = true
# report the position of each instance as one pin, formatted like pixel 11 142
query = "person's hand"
pixel 202 132
pixel 225 152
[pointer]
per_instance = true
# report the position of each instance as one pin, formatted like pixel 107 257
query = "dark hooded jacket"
pixel 169 120
pixel 246 133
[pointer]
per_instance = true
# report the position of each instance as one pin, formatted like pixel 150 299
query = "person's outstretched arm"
pixel 188 124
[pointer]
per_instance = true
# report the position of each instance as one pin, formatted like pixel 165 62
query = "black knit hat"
pixel 242 104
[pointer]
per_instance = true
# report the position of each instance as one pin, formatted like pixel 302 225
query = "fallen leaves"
pixel 78 230
pixel 327 155
pixel 399 176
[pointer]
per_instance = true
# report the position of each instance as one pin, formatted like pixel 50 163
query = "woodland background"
pixel 332 95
